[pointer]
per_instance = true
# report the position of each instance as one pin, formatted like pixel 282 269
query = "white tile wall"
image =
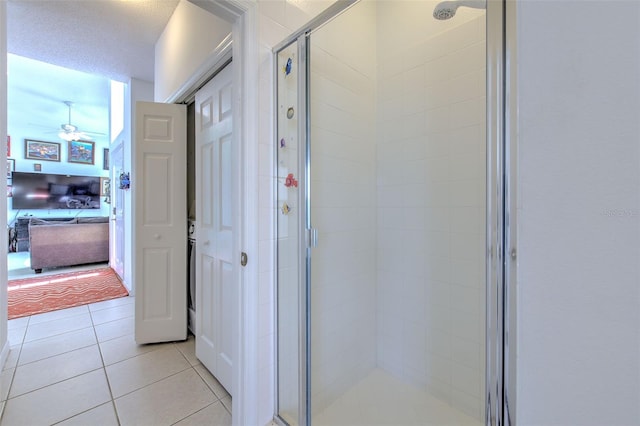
pixel 431 208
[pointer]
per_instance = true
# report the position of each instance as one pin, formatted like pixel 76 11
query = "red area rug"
pixel 29 296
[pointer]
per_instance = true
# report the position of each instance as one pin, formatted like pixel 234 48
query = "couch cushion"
pixel 36 221
pixel 97 219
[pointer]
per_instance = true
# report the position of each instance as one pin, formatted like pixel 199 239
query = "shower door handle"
pixel 312 237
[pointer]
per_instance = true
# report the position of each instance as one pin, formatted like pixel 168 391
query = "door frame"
pixel 242 14
pixel 4 339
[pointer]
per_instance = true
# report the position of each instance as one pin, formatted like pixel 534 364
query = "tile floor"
pixel 81 366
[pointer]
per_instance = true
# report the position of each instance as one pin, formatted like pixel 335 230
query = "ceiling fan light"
pixel 65 136
pixel 71 136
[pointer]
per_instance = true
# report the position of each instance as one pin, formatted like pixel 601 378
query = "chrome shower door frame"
pixel 501 215
pixel 500 211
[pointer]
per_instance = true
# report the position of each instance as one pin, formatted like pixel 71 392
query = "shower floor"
pixel 381 399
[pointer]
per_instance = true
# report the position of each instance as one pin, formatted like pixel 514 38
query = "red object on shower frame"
pixel 290 181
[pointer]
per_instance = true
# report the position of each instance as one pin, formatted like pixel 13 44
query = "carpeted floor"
pixel 40 294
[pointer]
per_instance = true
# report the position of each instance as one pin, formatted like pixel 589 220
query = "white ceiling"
pixel 110 39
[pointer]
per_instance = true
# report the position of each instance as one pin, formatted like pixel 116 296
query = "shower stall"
pixel 381 158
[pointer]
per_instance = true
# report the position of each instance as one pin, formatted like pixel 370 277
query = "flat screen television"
pixel 49 191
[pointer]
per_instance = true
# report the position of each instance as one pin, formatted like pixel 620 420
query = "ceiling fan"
pixel 70 132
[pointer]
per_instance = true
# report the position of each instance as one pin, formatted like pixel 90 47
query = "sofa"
pixel 65 243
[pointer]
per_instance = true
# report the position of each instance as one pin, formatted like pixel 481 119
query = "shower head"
pixel 447 9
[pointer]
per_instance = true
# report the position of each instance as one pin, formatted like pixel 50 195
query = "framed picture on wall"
pixel 82 152
pixel 105 159
pixel 105 186
pixel 11 166
pixel 40 150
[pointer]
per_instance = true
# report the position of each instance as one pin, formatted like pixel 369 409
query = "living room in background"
pixel 63 178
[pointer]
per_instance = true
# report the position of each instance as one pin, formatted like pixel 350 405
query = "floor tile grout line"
pixel 53 335
pixel 114 320
pixel 128 357
pixel 164 378
pixel 111 308
pixel 220 398
pixel 55 355
pixel 50 384
pixel 104 371
pixel 54 314
pixel 159 348
pixel 118 302
pixel 114 338
pixel 80 413
pixel 57 332
pixel 13 375
pixel 176 345
pixel 201 409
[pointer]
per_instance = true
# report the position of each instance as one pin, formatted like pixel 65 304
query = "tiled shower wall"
pixel 397 182
pixel 343 193
pixel 431 203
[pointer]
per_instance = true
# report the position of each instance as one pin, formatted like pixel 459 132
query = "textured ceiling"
pixel 113 38
pixel 88 42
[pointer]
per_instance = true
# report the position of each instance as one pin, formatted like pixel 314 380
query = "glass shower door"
pixel 291 279
pixel 397 157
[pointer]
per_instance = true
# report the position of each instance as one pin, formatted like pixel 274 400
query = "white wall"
pixel 189 37
pixel 136 90
pixel 579 211
pixel 431 206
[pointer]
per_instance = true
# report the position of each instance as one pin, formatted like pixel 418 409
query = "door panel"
pixel 226 307
pixel 157 170
pixel 215 288
pixel 160 217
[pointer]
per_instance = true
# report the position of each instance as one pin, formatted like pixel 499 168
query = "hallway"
pixel 81 366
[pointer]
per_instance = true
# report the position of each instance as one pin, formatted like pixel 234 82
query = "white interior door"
pixel 116 161
pixel 160 220
pixel 215 287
